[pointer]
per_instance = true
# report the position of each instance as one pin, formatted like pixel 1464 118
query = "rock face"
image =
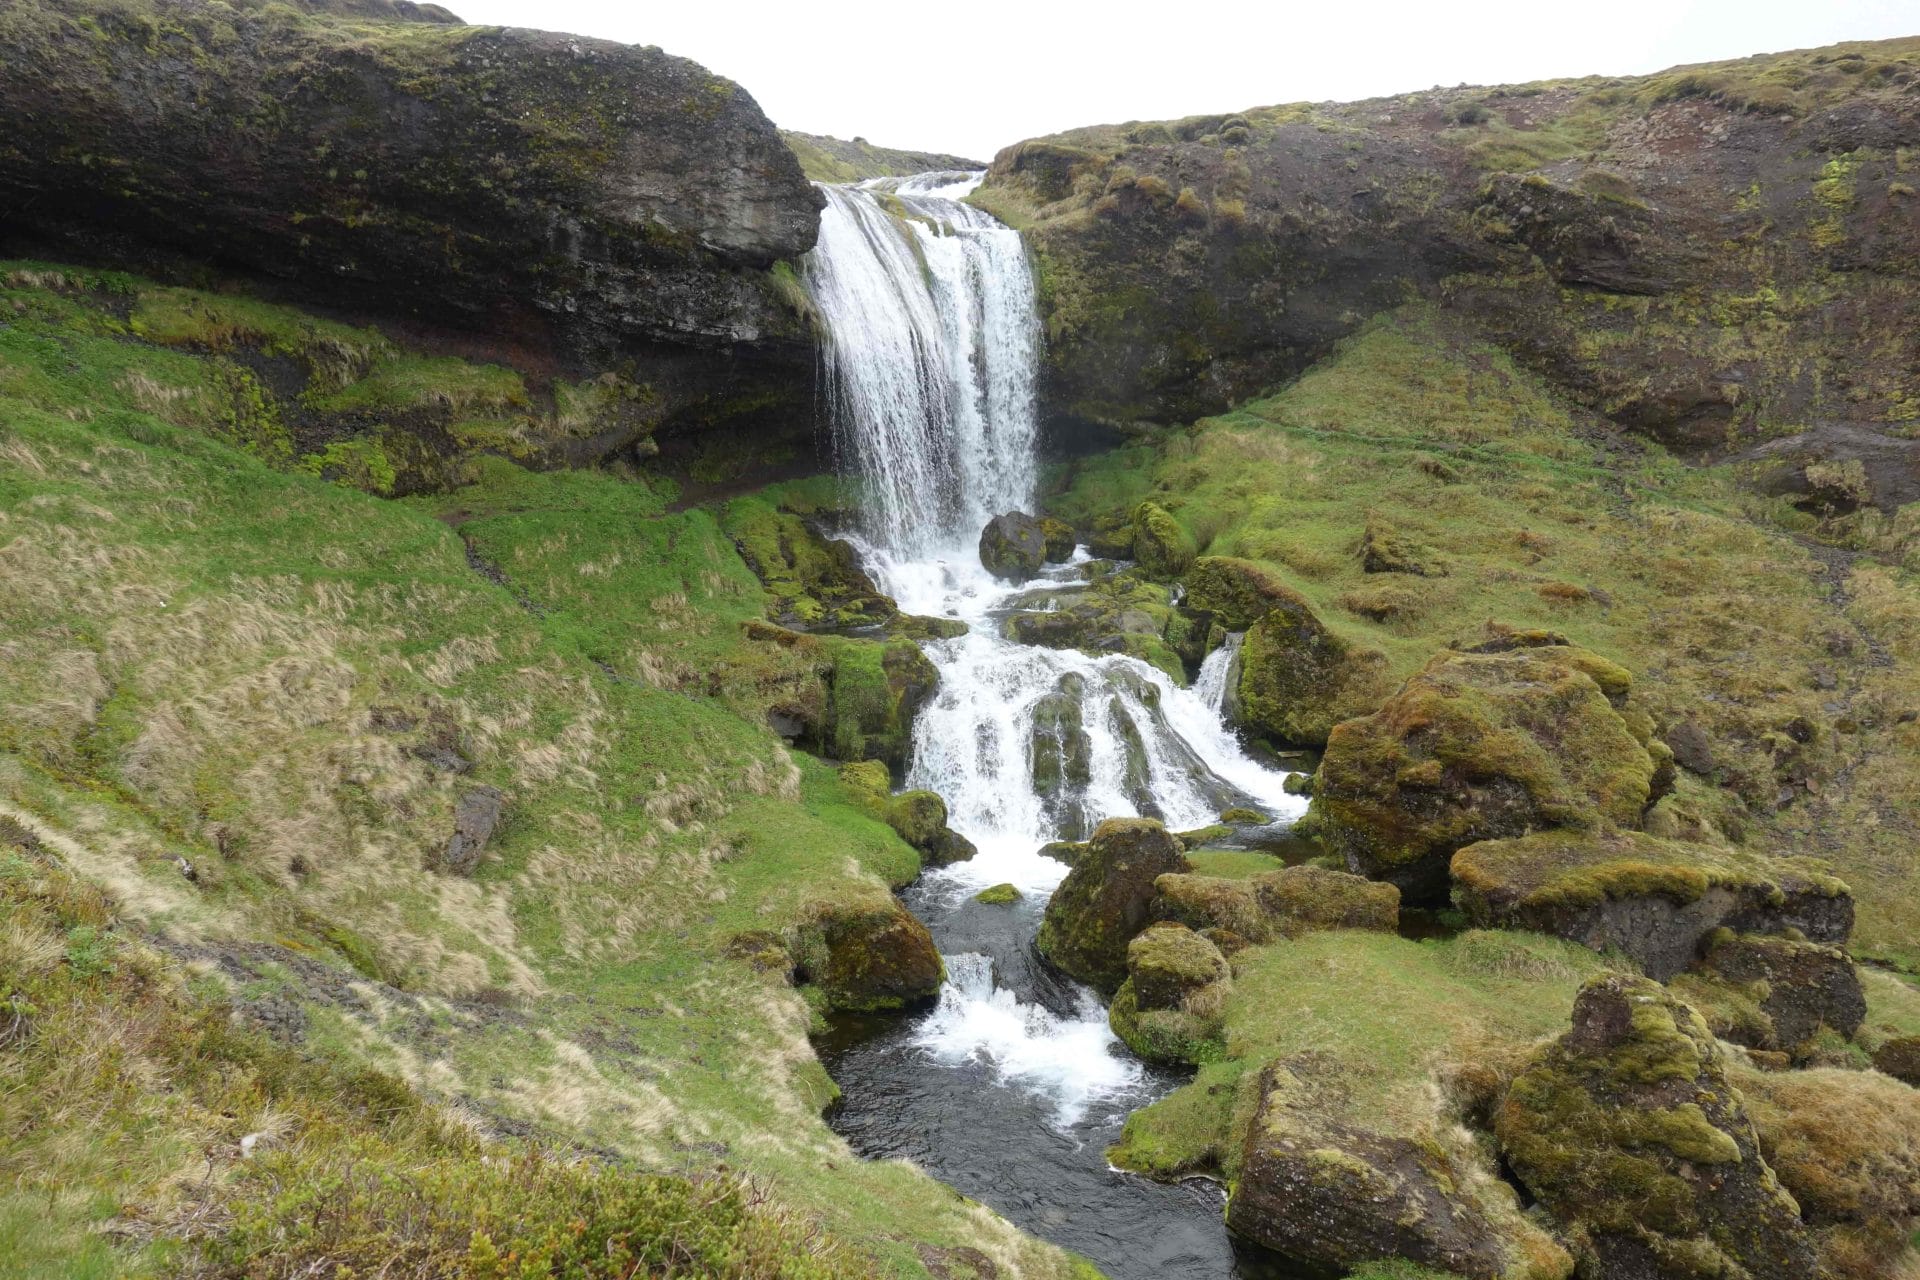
pixel 1478 747
pixel 868 958
pixel 1788 989
pixel 474 818
pixel 1628 1130
pixel 1656 900
pixel 1169 1008
pixel 1296 679
pixel 598 200
pixel 1106 899
pixel 1013 546
pixel 1327 1194
pixel 1195 263
pixel 1279 904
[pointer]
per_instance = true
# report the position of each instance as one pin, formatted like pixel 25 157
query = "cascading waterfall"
pixel 930 350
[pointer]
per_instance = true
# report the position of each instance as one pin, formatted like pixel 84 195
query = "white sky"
pixel 971 77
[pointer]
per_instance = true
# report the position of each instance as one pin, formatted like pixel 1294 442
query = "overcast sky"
pixel 971 78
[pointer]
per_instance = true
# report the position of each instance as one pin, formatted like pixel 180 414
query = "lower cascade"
pixel 1011 1088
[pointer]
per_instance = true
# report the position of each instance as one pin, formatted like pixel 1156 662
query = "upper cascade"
pixel 932 337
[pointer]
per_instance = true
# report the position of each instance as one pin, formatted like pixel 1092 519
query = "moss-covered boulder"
pixel 874 691
pixel 1161 546
pixel 1060 539
pixel 1013 546
pixel 1629 1132
pixel 1655 900
pixel 1117 613
pixel 868 956
pixel 1774 993
pixel 1238 592
pixel 1328 1194
pixel 1273 905
pixel 811 580
pixel 1169 1008
pixel 1480 746
pixel 918 817
pixel 1846 1144
pixel 1899 1057
pixel 1295 679
pixel 999 895
pixel 1106 899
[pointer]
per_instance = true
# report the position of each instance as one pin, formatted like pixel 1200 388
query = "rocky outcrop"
pixel 1106 899
pixel 812 581
pixel 1625 238
pixel 1169 1008
pixel 1330 1194
pixel 603 203
pixel 873 693
pixel 1481 746
pixel 1279 904
pixel 1295 679
pixel 1013 546
pixel 918 817
pixel 1655 900
pixel 1060 755
pixel 474 818
pixel 1774 993
pixel 1629 1132
pixel 1239 592
pixel 869 957
pixel 1117 613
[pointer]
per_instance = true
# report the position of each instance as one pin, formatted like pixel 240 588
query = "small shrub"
pixel 1189 206
pixel 1469 113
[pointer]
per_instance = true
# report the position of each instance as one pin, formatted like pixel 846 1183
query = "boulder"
pixel 1060 756
pixel 1775 993
pixel 1013 546
pixel 1295 679
pixel 1846 1144
pixel 1119 613
pixel 1655 900
pixel 1161 547
pixel 1480 747
pixel 1060 538
pixel 1629 1132
pixel 918 817
pixel 1330 1195
pixel 612 199
pixel 869 957
pixel 1239 592
pixel 1169 1008
pixel 874 691
pixel 1106 899
pixel 811 581
pixel 1279 904
pixel 474 819
pixel 999 895
pixel 1899 1057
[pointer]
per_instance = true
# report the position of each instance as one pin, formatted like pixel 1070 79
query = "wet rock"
pixel 474 819
pixel 1776 993
pixel 1013 546
pixel 999 895
pixel 1273 905
pixel 1169 1008
pixel 1106 899
pixel 1328 1194
pixel 1480 747
pixel 868 958
pixel 1060 755
pixel 1160 546
pixel 1629 1132
pixel 1060 539
pixel 1656 900
pixel 1136 779
pixel 1846 1144
pixel 1068 852
pixel 1296 679
pixel 1120 613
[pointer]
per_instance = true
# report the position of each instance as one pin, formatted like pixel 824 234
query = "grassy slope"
pixel 197 637
pixel 1718 601
pixel 827 159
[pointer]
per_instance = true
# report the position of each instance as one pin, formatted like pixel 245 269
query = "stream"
pixel 1012 1087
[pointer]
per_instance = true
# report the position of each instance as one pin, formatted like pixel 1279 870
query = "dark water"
pixel 1004 1144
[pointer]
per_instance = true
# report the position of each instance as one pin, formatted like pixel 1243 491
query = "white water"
pixel 932 344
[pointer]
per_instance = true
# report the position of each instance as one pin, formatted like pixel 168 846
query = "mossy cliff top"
pixel 826 159
pixel 607 194
pixel 1710 255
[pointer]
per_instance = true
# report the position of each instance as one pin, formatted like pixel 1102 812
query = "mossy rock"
pixel 1161 547
pixel 869 957
pixel 1296 679
pixel 811 581
pixel 999 895
pixel 874 691
pixel 1106 899
pixel 1238 592
pixel 1899 1057
pixel 1655 900
pixel 1013 546
pixel 1120 613
pixel 1170 1008
pixel 1060 539
pixel 1781 992
pixel 1629 1132
pixel 1479 747
pixel 1244 817
pixel 918 817
pixel 1330 1195
pixel 1273 905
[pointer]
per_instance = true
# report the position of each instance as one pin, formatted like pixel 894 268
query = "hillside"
pixel 827 159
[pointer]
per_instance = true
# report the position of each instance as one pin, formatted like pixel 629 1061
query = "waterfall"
pixel 931 341
pixel 1210 686
pixel 929 349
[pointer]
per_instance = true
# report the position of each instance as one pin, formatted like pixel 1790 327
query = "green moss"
pixel 998 895
pixel 1163 548
pixel 1572 870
